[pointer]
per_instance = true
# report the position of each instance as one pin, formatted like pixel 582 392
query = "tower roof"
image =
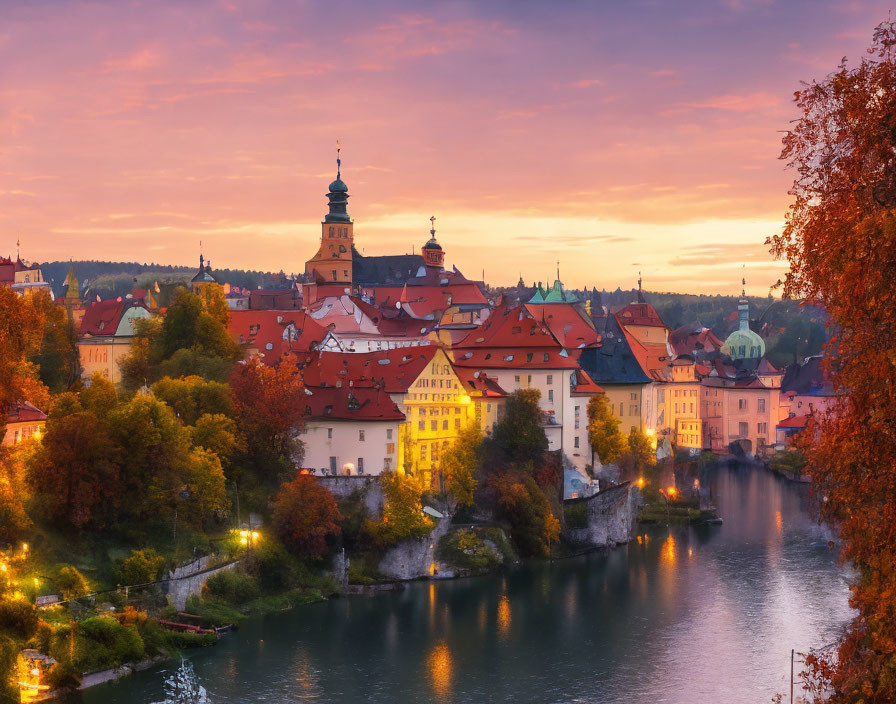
pixel 338 195
pixel 71 282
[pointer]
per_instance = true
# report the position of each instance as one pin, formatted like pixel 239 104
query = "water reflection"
pixel 639 624
pixel 440 670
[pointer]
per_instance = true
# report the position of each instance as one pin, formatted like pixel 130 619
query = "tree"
pixel 403 516
pixel 519 435
pixel 100 398
pixel 218 433
pixel 607 441
pixel 305 517
pixel 270 407
pixel 840 240
pixel 193 396
pixel 141 567
pixel 523 504
pixel 74 474
pixel 641 449
pixel 460 463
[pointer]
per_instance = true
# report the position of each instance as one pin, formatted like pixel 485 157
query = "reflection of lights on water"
pixel 690 552
pixel 440 668
pixel 639 540
pixel 503 616
pixel 779 522
pixel 667 556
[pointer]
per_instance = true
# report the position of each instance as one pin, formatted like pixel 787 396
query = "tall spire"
pixel 432 223
pixel 338 195
pixel 338 160
pixel 743 281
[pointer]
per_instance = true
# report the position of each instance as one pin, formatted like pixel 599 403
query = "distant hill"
pixel 111 279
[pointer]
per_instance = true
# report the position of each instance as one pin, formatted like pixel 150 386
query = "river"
pixel 705 614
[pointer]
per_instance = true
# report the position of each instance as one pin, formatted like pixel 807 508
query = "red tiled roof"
pixel 25 412
pixel 394 369
pixel 514 358
pixel 654 359
pixel 640 314
pixel 691 338
pixel 480 382
pixel 794 422
pixel 585 386
pixel 567 323
pixel 393 322
pixel 104 317
pixel 350 403
pixel 509 327
pixel 275 333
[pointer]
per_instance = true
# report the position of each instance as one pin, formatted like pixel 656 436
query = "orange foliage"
pixel 305 515
pixel 840 240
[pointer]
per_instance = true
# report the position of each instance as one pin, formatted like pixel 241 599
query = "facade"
pixel 351 430
pixel 23 421
pixel 106 335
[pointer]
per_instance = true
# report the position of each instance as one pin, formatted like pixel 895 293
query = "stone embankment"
pixel 611 516
pixel 412 559
pixel 189 579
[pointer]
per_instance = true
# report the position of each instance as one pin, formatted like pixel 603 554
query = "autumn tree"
pixel 607 441
pixel 519 435
pixel 75 475
pixel 459 464
pixel 21 332
pixel 306 517
pixel 403 516
pixel 523 504
pixel 840 240
pixel 270 406
pixel 193 396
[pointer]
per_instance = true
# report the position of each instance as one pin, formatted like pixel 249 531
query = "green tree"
pixel 519 434
pixel 141 567
pixel 523 504
pixel 403 516
pixel 193 396
pixel 607 441
pixel 218 433
pixel 460 463
pixel 100 397
pixel 641 449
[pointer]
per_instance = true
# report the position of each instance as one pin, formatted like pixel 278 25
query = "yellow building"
pixel 107 332
pixel 23 421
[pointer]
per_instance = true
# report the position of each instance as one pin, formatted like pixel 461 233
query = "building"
pixel 106 335
pixel 353 325
pixel 24 420
pixel 613 365
pixel 743 344
pixel 514 349
pixel 351 430
pixel 71 301
pixel 331 269
pixel 22 277
pixel 271 335
pixel 423 384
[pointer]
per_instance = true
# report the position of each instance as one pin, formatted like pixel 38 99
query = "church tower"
pixel 333 262
pixel 433 254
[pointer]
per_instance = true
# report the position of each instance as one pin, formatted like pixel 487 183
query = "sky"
pixel 613 137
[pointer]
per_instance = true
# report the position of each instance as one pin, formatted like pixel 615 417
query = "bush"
pixel 403 517
pixel 71 583
pixel 233 586
pixel 213 611
pixel 18 618
pixel 100 643
pixel 360 571
pixel 274 566
pixel 576 515
pixel 466 549
pixel 141 567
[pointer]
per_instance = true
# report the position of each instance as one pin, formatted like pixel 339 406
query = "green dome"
pixel 744 344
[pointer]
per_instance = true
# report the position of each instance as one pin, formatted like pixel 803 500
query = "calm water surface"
pixel 703 614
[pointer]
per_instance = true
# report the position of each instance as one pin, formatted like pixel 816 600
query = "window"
pixel 633 410
pixel 744 429
pixel 760 405
pixel 742 404
pixel 634 397
pixel 528 356
pixel 620 409
pixel 331 232
pixel 423 453
pixel 517 378
pixel 457 423
pixel 550 379
pixel 423 413
pixel 433 425
pixel 421 425
pixel 676 408
pixel 361 435
pixel 444 425
pixel 762 428
pixel 387 463
pixel 551 395
pixel 329 433
pixel 333 465
pixel 388 433
pixel 360 465
pixel 575 441
pixel 390 448
pixel 529 380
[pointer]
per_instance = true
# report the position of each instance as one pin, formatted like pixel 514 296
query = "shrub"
pixel 141 567
pixel 576 515
pixel 71 583
pixel 18 618
pixel 100 643
pixel 403 517
pixel 466 549
pixel 233 586
pixel 274 566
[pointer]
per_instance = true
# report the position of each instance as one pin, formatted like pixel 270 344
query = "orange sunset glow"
pixel 613 137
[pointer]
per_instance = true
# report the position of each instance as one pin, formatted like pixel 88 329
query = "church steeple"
pixel 338 194
pixel 432 251
pixel 71 284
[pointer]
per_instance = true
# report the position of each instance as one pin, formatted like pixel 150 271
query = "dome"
pixel 744 344
pixel 338 186
pixel 432 244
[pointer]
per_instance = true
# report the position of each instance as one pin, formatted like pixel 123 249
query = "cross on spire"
pixel 338 159
pixel 432 223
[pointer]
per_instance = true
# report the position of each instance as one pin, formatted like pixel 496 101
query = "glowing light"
pixel 672 492
pixel 305 471
pixel 696 483
pixel 503 616
pixel 441 670
pixel 641 482
pixel 779 522
pixel 650 432
pixel 465 400
pixel 24 547
pixel 432 568
pixel 668 554
pixel 2 567
pixel 639 540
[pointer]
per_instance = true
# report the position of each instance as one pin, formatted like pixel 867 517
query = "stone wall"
pixel 611 517
pixel 412 559
pixel 343 487
pixel 183 582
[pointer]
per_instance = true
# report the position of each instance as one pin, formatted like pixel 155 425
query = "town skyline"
pixel 217 122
